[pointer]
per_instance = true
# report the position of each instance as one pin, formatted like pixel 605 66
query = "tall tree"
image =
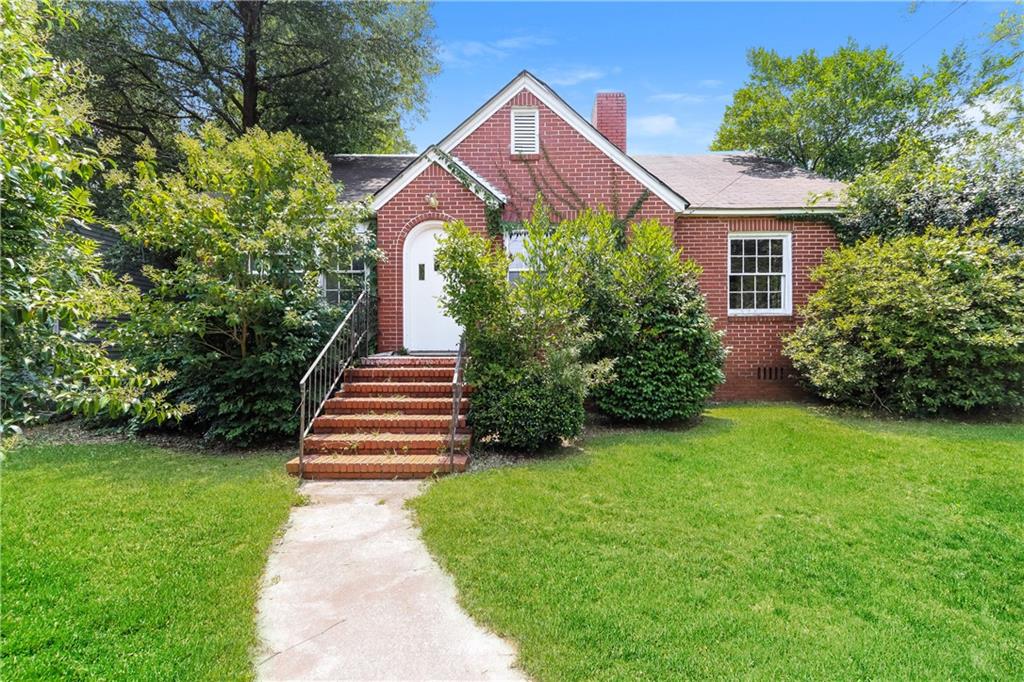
pixel 847 112
pixel 54 287
pixel 342 75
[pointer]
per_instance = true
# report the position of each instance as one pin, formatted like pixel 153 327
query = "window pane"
pixel 748 283
pixel 750 247
pixel 762 301
pixel 750 264
pixel 748 301
pixel 775 283
pixel 735 301
pixel 734 283
pixel 776 264
pixel 736 264
pixel 776 247
pixel 763 264
pixel 775 300
pixel 736 247
pixel 763 246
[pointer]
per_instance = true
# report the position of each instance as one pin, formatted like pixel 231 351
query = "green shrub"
pixel 918 324
pixel 524 339
pixel 245 225
pixel 668 360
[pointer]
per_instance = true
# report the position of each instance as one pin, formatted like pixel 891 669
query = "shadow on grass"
pixel 597 427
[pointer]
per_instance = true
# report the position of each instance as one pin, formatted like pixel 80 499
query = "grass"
pixel 766 542
pixel 133 562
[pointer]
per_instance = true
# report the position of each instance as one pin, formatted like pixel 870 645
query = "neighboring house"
pixel 748 222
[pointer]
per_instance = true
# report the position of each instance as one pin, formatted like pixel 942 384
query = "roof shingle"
pixel 739 180
pixel 364 174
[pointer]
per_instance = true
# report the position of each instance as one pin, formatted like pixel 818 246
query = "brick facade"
pixel 573 174
pixel 755 368
pixel 394 221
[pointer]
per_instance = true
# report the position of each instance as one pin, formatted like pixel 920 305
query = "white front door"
pixel 427 327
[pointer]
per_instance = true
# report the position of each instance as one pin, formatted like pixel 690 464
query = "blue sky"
pixel 678 63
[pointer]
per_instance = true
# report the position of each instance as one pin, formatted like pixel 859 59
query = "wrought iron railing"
pixel 351 340
pixel 457 385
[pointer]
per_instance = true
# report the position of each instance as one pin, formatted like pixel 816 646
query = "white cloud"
pixel 654 125
pixel 573 76
pixel 466 52
pixel 710 83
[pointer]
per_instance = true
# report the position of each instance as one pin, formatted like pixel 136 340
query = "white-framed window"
pixel 516 249
pixel 525 130
pixel 760 274
pixel 341 285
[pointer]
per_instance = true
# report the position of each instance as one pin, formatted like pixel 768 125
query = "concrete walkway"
pixel 350 592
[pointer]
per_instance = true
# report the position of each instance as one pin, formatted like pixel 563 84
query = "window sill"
pixel 760 313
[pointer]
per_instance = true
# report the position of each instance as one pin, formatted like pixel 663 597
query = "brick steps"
pixel 408 361
pixel 390 419
pixel 376 466
pixel 443 374
pixel 385 423
pixel 392 404
pixel 398 388
pixel 383 443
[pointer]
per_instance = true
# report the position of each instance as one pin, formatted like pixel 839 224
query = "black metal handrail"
pixel 322 377
pixel 457 384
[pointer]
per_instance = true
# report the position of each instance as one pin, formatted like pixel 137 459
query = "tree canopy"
pixel 850 111
pixel 341 75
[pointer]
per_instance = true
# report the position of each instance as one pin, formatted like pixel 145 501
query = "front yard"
pixel 133 562
pixel 766 542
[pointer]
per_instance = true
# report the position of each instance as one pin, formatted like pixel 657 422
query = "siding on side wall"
pixel 754 342
pixel 395 219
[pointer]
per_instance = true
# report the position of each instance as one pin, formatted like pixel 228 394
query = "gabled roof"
pixel 547 96
pixel 473 182
pixel 739 181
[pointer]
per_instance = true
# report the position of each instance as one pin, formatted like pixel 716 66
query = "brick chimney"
pixel 609 117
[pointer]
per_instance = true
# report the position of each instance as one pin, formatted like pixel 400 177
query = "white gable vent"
pixel 525 131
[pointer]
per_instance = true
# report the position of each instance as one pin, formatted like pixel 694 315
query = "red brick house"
pixel 748 222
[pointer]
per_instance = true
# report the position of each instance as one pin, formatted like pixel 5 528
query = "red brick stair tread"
pixel 376 465
pixel 406 404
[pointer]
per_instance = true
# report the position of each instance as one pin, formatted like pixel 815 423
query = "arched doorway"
pixel 425 324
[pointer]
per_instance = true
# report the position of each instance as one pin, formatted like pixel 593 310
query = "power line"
pixel 933 27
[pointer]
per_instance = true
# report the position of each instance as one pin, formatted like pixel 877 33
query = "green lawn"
pixel 766 542
pixel 132 562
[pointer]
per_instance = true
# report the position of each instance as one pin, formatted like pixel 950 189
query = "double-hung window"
pixel 760 274
pixel 343 284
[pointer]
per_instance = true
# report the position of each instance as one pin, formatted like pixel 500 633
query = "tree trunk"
pixel 251 13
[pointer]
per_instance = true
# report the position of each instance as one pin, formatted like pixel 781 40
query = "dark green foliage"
pixel 341 75
pixel 524 339
pixel 55 291
pixel 244 227
pixel 918 324
pixel 646 315
pixel 979 179
pixel 670 369
pixel 529 406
